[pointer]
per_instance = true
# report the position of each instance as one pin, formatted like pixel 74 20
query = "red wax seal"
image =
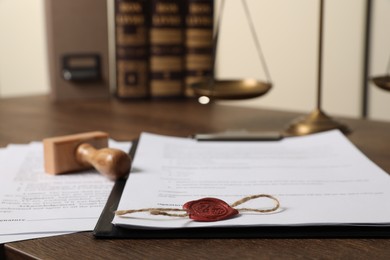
pixel 209 209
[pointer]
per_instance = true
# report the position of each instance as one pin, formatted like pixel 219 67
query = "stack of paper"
pixel 321 179
pixel 35 204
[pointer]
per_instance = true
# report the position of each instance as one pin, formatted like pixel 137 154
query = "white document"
pixel 321 179
pixel 36 204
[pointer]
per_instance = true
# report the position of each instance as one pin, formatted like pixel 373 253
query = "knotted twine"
pixel 168 211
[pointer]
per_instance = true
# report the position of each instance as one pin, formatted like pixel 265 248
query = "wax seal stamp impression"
pixel 209 209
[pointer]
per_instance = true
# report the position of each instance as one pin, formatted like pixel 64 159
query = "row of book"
pixel 162 46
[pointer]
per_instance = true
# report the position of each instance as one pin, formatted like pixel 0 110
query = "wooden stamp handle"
pixel 113 163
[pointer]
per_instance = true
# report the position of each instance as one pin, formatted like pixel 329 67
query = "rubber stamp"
pixel 71 153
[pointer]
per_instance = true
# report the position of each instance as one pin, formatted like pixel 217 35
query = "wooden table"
pixel 34 118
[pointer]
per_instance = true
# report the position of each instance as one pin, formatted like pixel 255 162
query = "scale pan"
pixel 382 81
pixel 231 89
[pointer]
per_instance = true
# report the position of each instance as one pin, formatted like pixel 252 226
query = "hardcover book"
pixel 166 48
pixel 132 48
pixel 198 42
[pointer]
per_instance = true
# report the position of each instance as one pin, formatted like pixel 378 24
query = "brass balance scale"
pixel 383 81
pixel 212 88
pixel 234 89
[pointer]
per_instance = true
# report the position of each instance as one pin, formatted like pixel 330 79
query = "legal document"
pixel 320 179
pixel 36 204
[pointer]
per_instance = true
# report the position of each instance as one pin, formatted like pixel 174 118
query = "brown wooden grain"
pixel 33 118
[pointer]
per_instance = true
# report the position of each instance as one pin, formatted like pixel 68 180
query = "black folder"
pixel 106 230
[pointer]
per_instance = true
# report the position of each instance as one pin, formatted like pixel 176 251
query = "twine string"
pixel 154 211
pixel 168 211
pixel 248 198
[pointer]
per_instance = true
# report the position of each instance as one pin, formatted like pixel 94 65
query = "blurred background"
pixel 288 34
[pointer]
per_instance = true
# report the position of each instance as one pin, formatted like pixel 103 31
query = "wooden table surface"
pixel 33 118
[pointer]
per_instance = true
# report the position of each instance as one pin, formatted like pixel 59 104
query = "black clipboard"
pixel 104 229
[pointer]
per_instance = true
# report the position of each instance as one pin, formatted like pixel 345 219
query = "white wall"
pixel 23 62
pixel 288 33
pixel 379 101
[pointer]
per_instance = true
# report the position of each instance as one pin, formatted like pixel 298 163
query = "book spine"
pixel 132 48
pixel 198 42
pixel 167 48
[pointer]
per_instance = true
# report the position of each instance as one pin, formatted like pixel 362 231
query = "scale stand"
pixel 316 121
